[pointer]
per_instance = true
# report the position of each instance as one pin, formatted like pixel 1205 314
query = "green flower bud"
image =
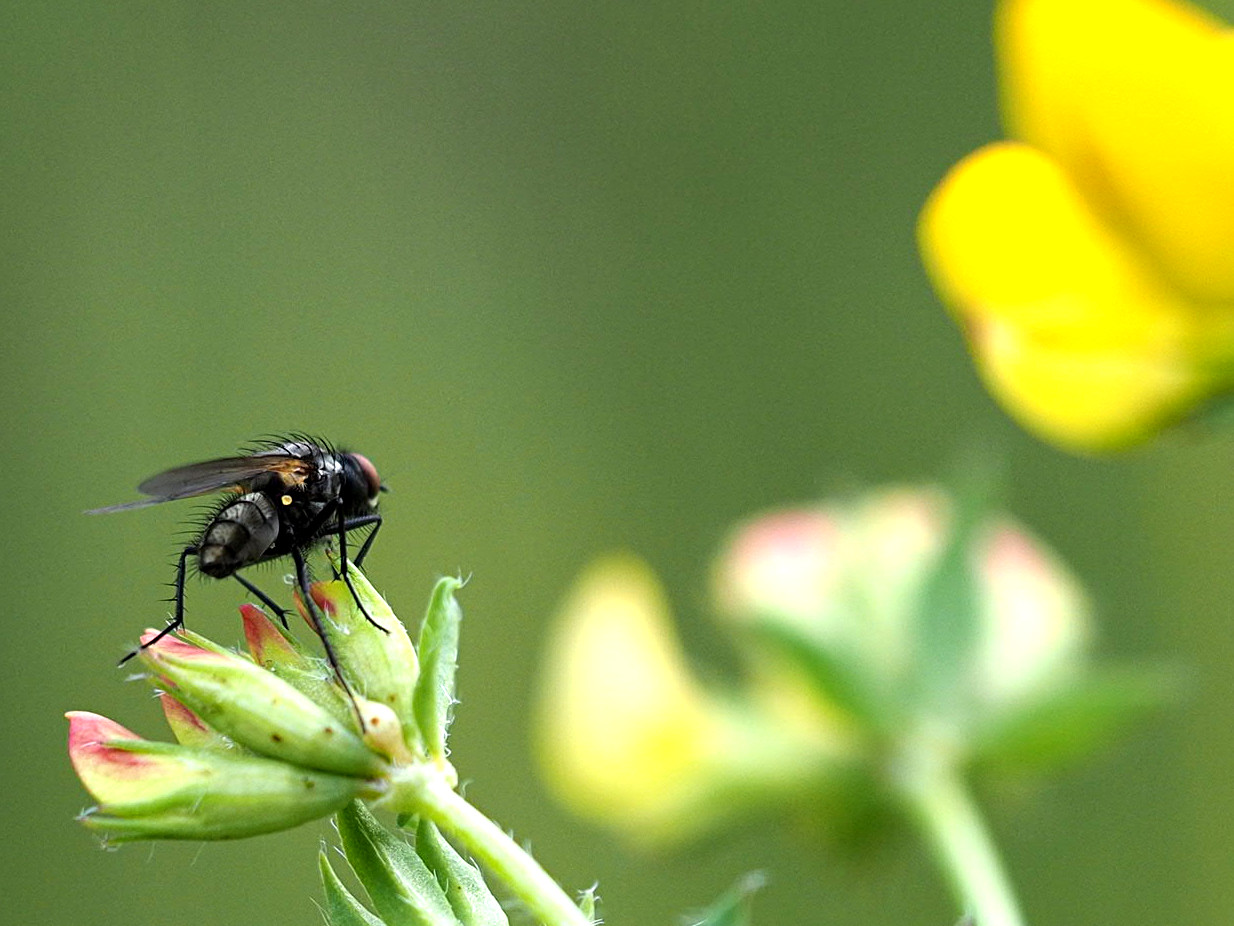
pixel 258 710
pixel 150 790
pixel 378 662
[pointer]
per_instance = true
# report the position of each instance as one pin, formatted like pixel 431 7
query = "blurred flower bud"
pixel 628 736
pixel 900 629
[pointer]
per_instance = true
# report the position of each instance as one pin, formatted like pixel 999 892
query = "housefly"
pixel 282 498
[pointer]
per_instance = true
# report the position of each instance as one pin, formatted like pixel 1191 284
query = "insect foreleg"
pixel 344 527
pixel 363 521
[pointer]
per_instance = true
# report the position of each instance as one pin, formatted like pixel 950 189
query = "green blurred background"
pixel 575 276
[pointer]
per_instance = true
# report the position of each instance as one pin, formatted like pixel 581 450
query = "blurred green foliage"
pixel 574 277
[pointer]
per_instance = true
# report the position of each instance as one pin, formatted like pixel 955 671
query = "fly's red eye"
pixel 370 474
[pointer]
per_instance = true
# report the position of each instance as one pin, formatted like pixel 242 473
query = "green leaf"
pixel 438 649
pixel 473 903
pixel 946 623
pixel 838 676
pixel 342 909
pixel 733 909
pixel 402 889
pixel 1075 720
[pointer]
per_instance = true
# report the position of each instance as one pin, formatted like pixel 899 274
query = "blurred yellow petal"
pixel 1079 341
pixel 624 728
pixel 1133 98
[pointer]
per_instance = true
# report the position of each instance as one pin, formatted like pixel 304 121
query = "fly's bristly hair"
pixel 268 442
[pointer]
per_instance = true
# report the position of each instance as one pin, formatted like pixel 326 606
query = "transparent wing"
pixel 210 476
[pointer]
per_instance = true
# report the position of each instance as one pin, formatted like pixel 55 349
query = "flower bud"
pixel 257 709
pixel 188 728
pixel 150 790
pixel 281 655
pixel 626 733
pixel 378 662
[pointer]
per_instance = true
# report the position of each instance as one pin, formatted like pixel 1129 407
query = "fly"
pixel 283 498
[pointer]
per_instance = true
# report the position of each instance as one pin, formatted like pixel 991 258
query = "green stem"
pixel 963 848
pixel 432 797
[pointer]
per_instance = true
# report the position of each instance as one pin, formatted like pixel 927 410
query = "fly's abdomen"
pixel 238 536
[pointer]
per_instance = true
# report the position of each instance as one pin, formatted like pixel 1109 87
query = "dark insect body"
pixel 285 497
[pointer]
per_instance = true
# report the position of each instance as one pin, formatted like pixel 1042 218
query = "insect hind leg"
pixel 178 620
pixel 269 602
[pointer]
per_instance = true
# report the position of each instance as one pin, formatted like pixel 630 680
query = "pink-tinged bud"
pixel 188 728
pixel 150 790
pixel 267 644
pixel 310 675
pixel 783 563
pixel 110 773
pixel 1037 628
pixel 258 710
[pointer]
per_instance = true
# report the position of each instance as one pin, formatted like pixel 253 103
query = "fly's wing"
pixel 212 475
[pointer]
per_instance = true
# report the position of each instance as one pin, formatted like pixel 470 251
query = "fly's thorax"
pixel 239 535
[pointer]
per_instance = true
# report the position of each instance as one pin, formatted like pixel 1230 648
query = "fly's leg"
pixel 315 618
pixel 344 527
pixel 265 599
pixel 178 621
pixel 363 521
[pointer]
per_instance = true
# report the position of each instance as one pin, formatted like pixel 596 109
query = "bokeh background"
pixel 576 277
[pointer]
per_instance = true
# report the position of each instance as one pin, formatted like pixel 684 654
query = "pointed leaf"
pixel 838 676
pixel 402 889
pixel 946 622
pixel 342 909
pixel 733 909
pixel 1076 720
pixel 438 649
pixel 473 903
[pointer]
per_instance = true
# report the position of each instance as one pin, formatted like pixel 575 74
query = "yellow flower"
pixel 1091 261
pixel 629 737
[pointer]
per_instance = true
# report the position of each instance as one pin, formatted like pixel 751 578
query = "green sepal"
pixel 438 648
pixel 945 622
pixel 1073 720
pixel 215 795
pixel 342 909
pixel 840 677
pixel 403 890
pixel 733 909
pixel 470 899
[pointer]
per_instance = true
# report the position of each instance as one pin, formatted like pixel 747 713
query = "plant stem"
pixel 432 797
pixel 963 848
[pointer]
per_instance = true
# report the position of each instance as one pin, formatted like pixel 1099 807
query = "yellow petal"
pixel 1080 342
pixel 1133 97
pixel 624 728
